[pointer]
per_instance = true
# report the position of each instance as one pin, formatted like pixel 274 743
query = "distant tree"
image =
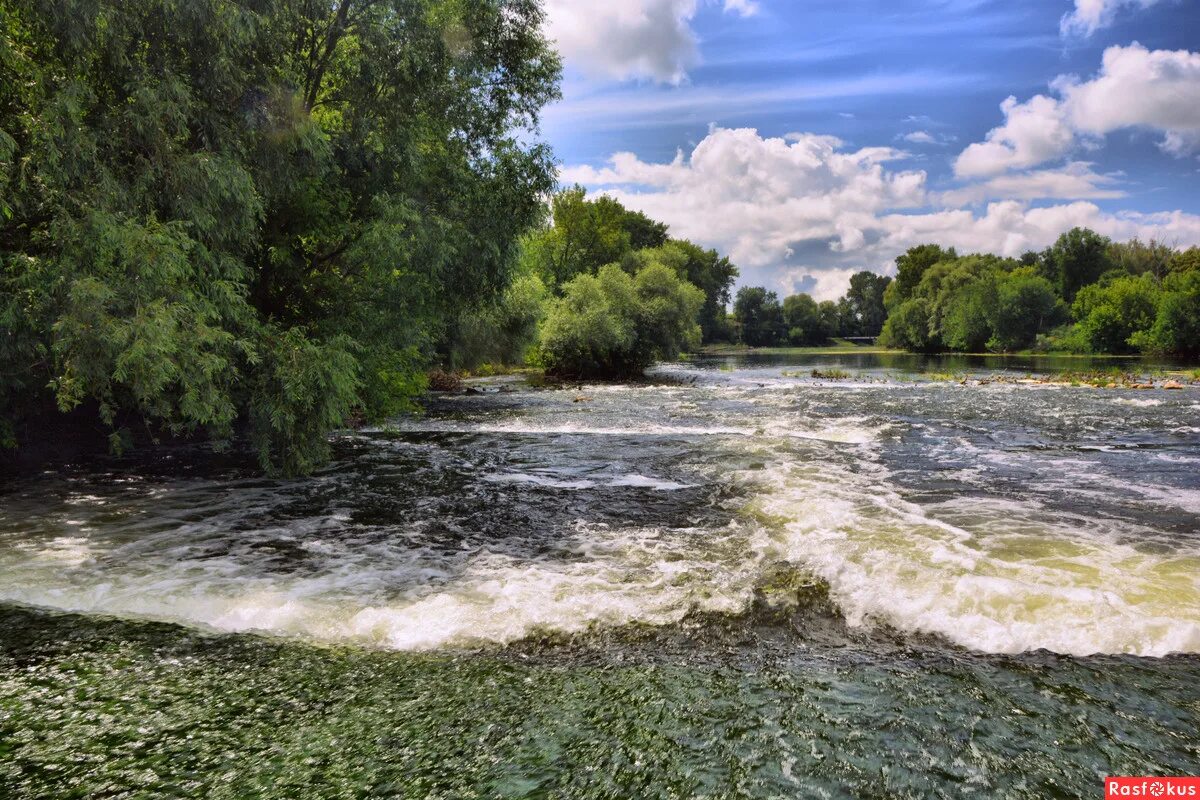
pixel 758 316
pixel 806 325
pixel 907 327
pixel 1113 311
pixel 1176 328
pixel 865 298
pixel 831 318
pixel 911 266
pixel 1079 257
pixel 1022 306
pixel 1185 260
pixel 964 314
pixel 583 236
pixel 643 232
pixel 707 270
pixel 1137 257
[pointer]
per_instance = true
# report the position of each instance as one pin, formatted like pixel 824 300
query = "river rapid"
pixel 733 579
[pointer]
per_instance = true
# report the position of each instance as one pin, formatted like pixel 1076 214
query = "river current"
pixel 733 579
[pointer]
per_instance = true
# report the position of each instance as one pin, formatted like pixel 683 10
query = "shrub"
pixel 614 325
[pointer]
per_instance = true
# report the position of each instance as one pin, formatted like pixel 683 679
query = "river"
pixel 733 579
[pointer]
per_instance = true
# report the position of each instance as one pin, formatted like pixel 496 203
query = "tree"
pixel 865 299
pixel 708 271
pixel 1112 312
pixel 1176 328
pixel 585 235
pixel 908 327
pixel 614 325
pixel 1079 257
pixel 758 316
pixel 911 266
pixel 221 215
pixel 1137 257
pixel 1023 305
pixel 806 325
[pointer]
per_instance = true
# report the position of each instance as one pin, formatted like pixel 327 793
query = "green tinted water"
pixel 721 583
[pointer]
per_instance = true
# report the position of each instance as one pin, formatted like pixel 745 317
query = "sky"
pixel 808 140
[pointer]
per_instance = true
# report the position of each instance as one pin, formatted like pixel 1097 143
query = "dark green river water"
pixel 731 580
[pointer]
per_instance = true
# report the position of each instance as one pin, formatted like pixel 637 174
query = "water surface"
pixel 732 579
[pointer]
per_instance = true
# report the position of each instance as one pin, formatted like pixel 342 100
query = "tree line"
pixel 1083 294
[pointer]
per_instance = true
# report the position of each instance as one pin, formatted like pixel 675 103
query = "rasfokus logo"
pixel 1152 787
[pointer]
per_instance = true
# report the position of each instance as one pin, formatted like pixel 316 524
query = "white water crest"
pixel 992 575
pixel 1001 518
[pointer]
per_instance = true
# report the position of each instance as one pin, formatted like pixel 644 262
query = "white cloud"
pixel 920 137
pixel 1135 88
pixel 805 205
pixel 744 8
pixel 757 196
pixel 625 39
pixel 1033 132
pixel 1074 181
pixel 925 137
pixel 1090 16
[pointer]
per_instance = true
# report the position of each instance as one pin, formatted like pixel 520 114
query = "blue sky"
pixel 832 135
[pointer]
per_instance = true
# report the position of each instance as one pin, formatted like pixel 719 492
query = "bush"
pixel 613 325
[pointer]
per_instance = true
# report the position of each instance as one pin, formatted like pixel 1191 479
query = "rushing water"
pixel 732 579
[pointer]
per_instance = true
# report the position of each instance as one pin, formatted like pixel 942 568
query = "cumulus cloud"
pixel 757 196
pixel 631 38
pixel 805 209
pixel 1033 132
pixel 1135 88
pixel 625 38
pixel 1089 16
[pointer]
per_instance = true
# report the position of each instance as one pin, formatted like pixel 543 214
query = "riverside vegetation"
pixel 270 219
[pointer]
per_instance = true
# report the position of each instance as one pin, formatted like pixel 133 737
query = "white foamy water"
pixel 1002 518
pixel 600 576
pixel 997 576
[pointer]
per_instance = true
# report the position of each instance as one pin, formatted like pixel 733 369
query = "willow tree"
pixel 258 213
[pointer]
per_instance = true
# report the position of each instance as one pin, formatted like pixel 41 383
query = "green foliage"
pixel 1024 304
pixel 1176 328
pixel 501 332
pixel 707 270
pixel 911 267
pixel 211 212
pixel 1114 310
pixel 908 327
pixel 806 324
pixel 758 317
pixel 1137 257
pixel 586 234
pixel 613 324
pixel 865 307
pixel 1078 258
